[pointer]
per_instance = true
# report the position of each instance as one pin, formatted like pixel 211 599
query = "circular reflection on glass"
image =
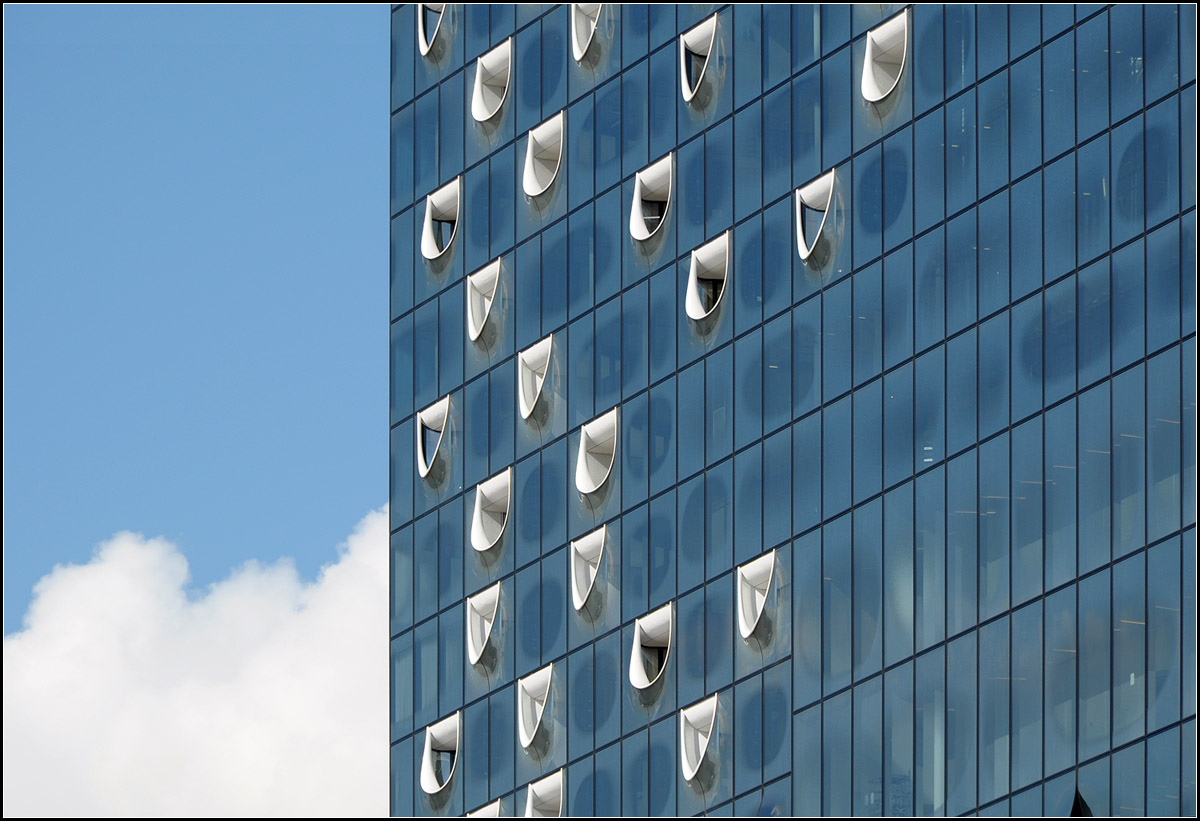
pixel 662 429
pixel 531 608
pixel 896 299
pixel 530 76
pixel 752 376
pixel 1135 180
pixel 552 477
pixel 870 196
pixel 895 184
pixel 530 503
pixel 691 525
pixel 805 362
pixel 554 51
pixel 554 598
pixel 776 702
pixel 1059 322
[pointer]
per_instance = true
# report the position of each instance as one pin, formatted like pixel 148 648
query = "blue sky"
pixel 195 283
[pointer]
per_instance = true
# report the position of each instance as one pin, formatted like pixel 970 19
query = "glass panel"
pixel 1095 466
pixel 961 548
pixel 1025 126
pixel 1128 461
pixel 1162 774
pixel 1058 96
pixel 836 746
pixel 807 612
pixel 1129 781
pixel 747 731
pixel 868 748
pixel 1129 649
pixel 994 677
pixel 1060 476
pixel 1095 631
pixel 929 535
pixel 1060 693
pixel 960 724
pixel 868 589
pixel 868 440
pixel 1091 76
pixel 1026 655
pixel 1163 633
pixel 836 597
pixel 898 574
pixel 930 734
pixel 1027 488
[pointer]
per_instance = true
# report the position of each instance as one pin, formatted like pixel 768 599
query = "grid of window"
pixel 967 434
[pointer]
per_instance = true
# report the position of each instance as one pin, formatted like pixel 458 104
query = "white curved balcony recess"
pixel 707 278
pixel 532 693
pixel 493 75
pixel 651 199
pixel 431 430
pixel 816 196
pixel 440 759
pixel 697 725
pixel 887 50
pixel 544 797
pixel 585 19
pixel 429 23
pixel 481 617
pixel 481 293
pixel 543 155
pixel 753 585
pixel 597 452
pixel 493 499
pixel 696 48
pixel 651 647
pixel 586 554
pixel 533 364
pixel 441 220
pixel 491 810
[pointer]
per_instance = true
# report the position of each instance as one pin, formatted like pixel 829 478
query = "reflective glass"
pixel 965 424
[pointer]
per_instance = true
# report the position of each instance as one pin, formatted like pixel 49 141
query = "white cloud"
pixel 265 695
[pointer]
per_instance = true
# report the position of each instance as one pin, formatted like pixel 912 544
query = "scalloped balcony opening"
pixel 753 586
pixel 431 431
pixel 543 155
pixel 883 63
pixel 814 201
pixel 440 758
pixel 493 76
pixel 707 278
pixel 652 635
pixel 481 618
pixel 697 725
pixel 696 48
pixel 587 552
pixel 533 364
pixel 597 452
pixel 441 220
pixel 481 294
pixel 533 691
pixel 651 199
pixel 544 798
pixel 585 19
pixel 429 25
pixel 493 499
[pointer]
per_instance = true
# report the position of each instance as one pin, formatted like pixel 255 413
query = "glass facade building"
pixel 793 409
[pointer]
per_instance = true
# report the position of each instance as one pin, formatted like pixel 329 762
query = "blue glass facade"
pixel 968 435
